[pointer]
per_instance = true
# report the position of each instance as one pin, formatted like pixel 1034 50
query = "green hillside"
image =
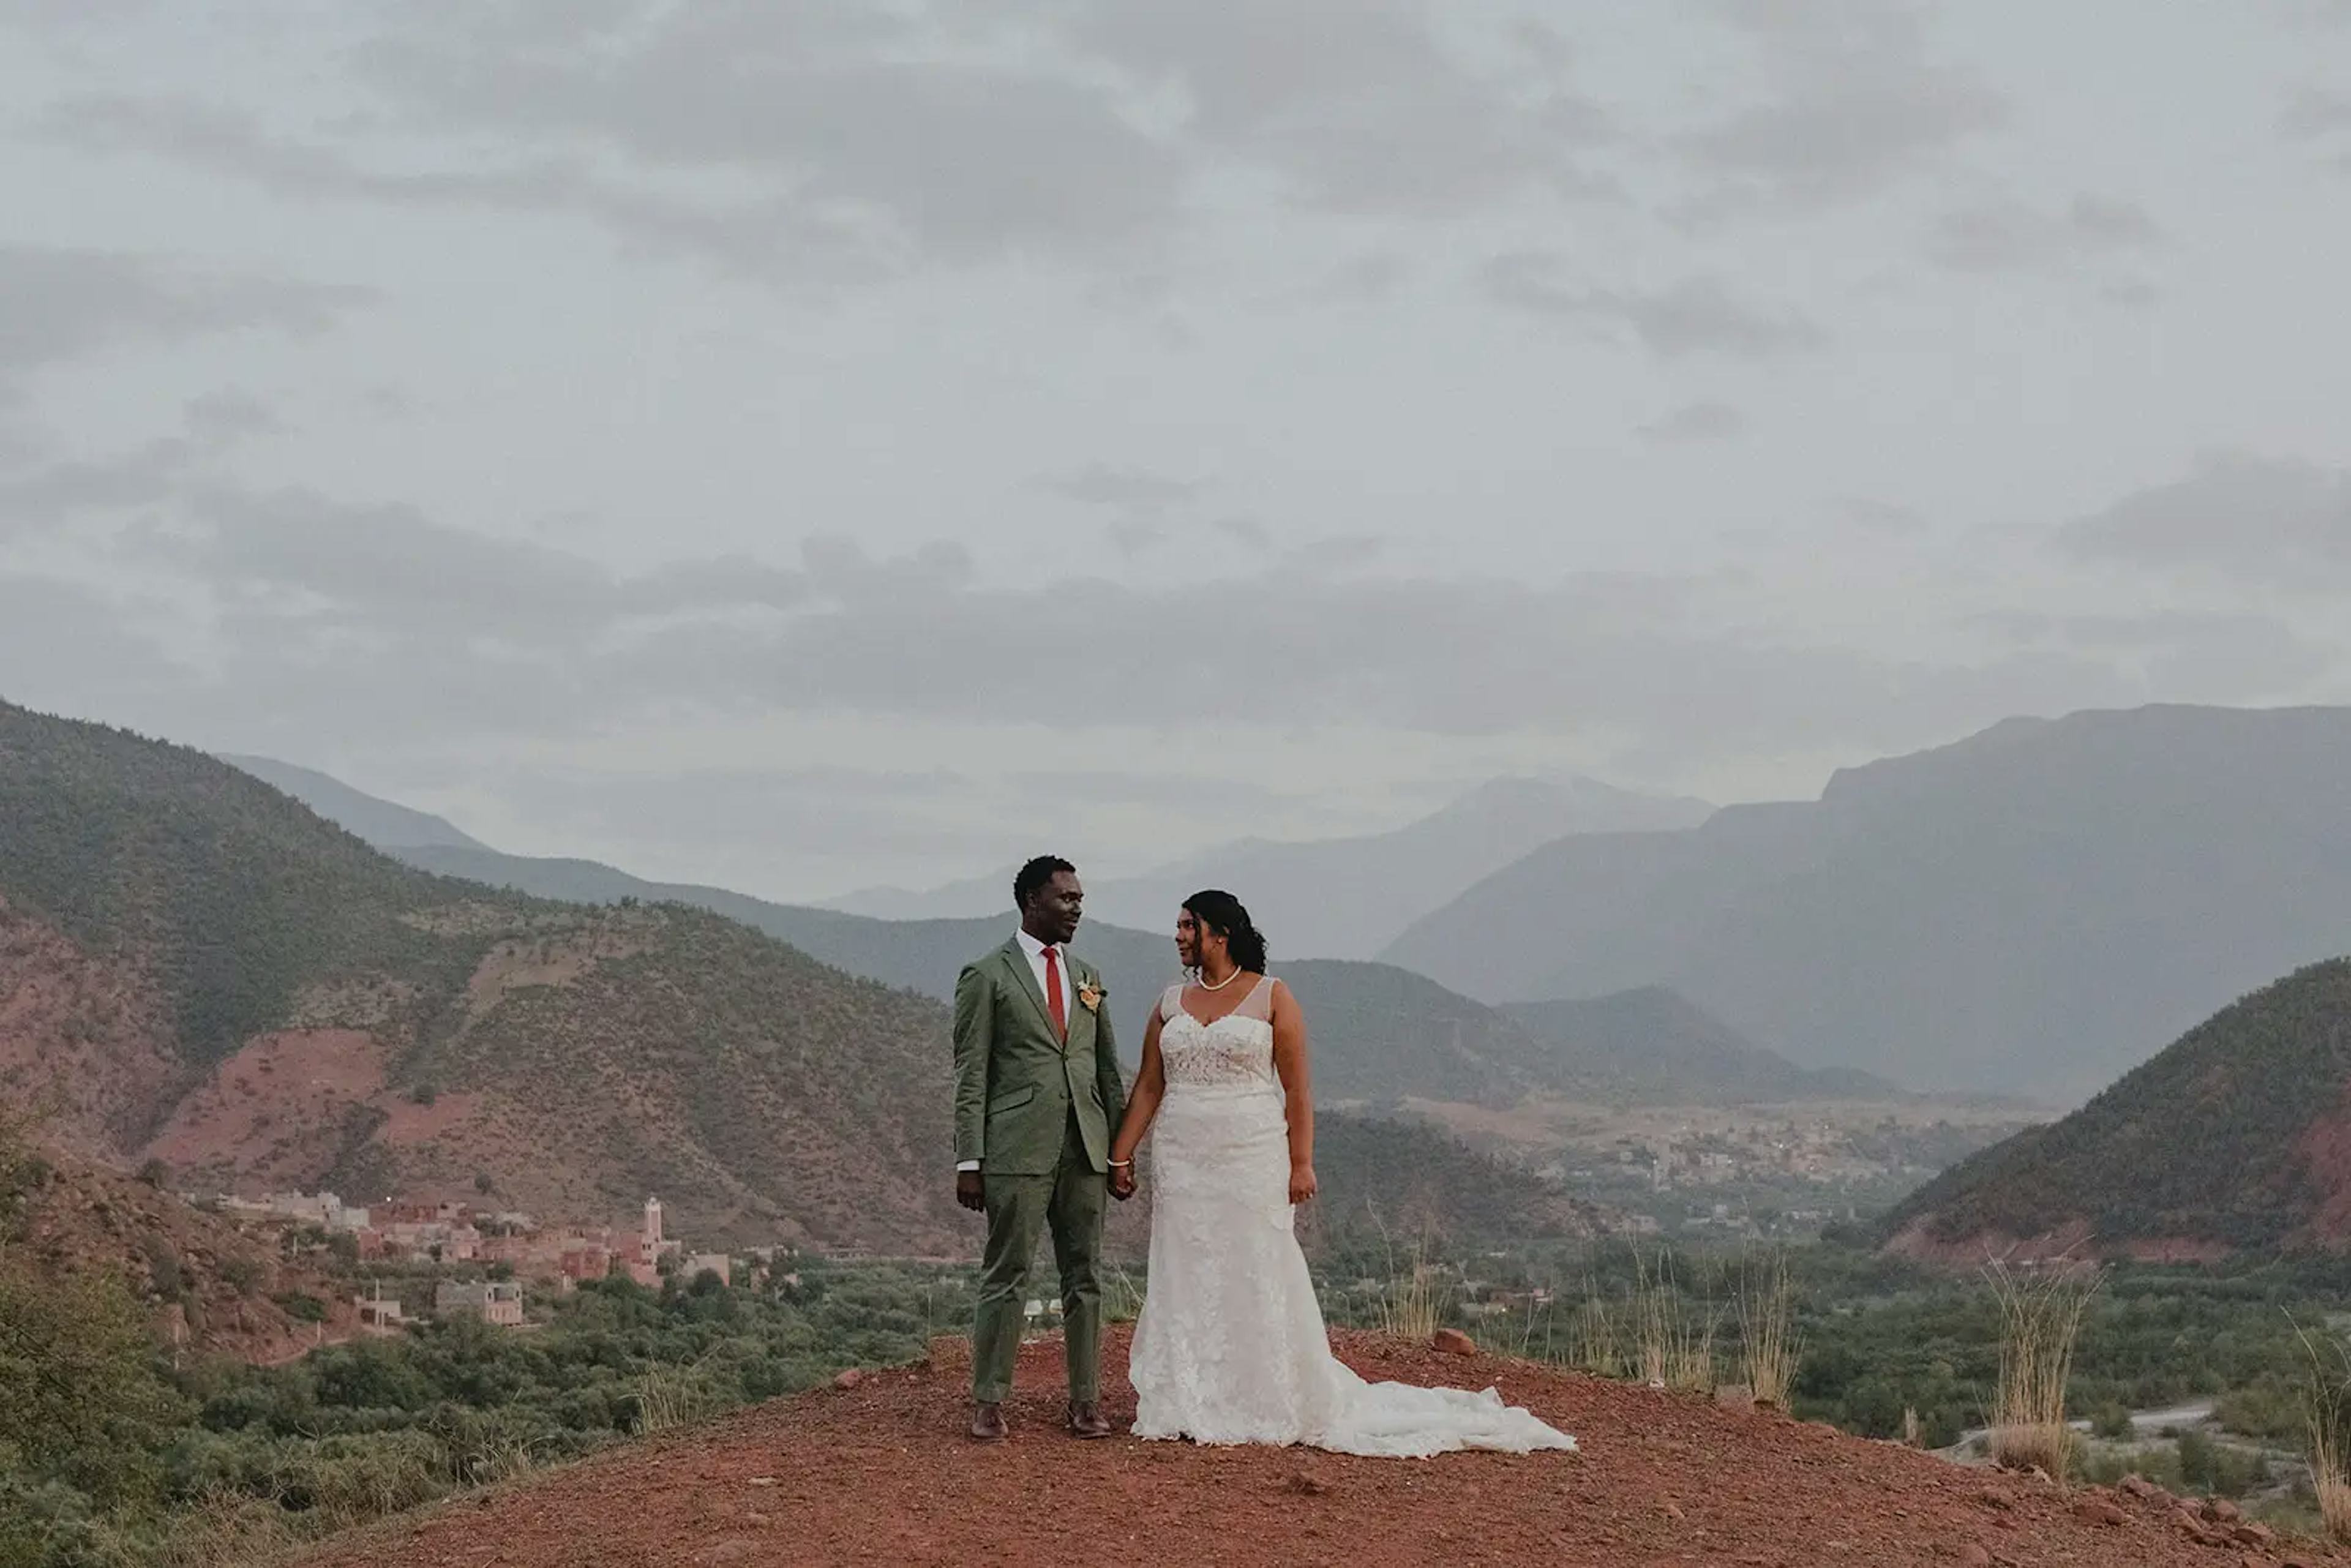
pixel 1407 1179
pixel 594 1053
pixel 2238 1135
pixel 229 898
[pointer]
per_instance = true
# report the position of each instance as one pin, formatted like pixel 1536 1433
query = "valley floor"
pixel 880 1472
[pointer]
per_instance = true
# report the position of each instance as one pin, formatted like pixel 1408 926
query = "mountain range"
pixel 199 969
pixel 2021 911
pixel 1381 1033
pixel 2236 1137
pixel 1342 897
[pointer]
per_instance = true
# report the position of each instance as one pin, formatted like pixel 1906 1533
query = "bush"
pixel 85 1400
pixel 2111 1421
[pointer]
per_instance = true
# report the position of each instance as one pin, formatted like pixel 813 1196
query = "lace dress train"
pixel 1230 1346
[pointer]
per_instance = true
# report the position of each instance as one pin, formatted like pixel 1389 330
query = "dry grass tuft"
pixel 1768 1345
pixel 1673 1345
pixel 668 1397
pixel 1419 1293
pixel 2329 1413
pixel 1594 1343
pixel 2040 1315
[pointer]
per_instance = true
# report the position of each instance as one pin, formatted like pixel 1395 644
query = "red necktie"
pixel 1053 1003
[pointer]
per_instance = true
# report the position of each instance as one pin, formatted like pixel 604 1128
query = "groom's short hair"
pixel 1034 876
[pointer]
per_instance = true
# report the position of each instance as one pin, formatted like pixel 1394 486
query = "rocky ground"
pixel 878 1471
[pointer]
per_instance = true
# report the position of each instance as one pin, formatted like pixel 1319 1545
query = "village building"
pixel 497 1302
pixel 379 1312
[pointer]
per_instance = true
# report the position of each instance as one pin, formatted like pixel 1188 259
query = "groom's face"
pixel 1055 908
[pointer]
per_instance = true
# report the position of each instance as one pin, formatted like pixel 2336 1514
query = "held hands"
pixel 1121 1179
pixel 1303 1186
pixel 970 1192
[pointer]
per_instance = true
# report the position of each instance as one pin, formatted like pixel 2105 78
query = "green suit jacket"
pixel 1016 1083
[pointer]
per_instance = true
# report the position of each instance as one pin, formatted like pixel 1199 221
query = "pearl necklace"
pixel 1220 984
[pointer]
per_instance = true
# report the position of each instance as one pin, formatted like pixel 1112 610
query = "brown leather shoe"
pixel 987 1424
pixel 1086 1420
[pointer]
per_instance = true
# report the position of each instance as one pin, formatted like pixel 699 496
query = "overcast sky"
pixel 803 445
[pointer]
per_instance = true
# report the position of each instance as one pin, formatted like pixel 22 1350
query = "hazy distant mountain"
pixel 380 822
pixel 2233 1138
pixel 1652 1046
pixel 966 900
pixel 1381 1033
pixel 2022 911
pixel 1338 898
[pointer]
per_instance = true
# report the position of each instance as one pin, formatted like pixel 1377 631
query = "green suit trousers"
pixel 1069 1203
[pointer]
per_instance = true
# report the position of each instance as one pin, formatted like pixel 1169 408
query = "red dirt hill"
pixel 879 1472
pixel 208 1286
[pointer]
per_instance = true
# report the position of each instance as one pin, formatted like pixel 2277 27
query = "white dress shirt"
pixel 1035 950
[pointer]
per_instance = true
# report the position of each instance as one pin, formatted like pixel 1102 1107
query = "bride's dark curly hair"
pixel 1222 914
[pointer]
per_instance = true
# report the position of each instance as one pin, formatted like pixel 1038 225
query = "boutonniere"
pixel 1090 994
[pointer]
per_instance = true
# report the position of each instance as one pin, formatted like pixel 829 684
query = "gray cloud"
pixel 224 417
pixel 2189 655
pixel 2273 522
pixel 1141 503
pixel 763 237
pixel 865 144
pixel 67 647
pixel 1122 488
pixel 1874 514
pixel 1697 315
pixel 316 570
pixel 1856 102
pixel 1172 789
pixel 2010 235
pixel 328 615
pixel 2322 115
pixel 59 304
pixel 1366 279
pixel 1697 422
pixel 54 495
pixel 1246 531
pixel 1359 106
pixel 2315 111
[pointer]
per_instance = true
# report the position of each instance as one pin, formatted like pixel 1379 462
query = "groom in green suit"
pixel 1036 1097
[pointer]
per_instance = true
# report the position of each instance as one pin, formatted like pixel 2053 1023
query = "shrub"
pixel 84 1397
pixel 163 1271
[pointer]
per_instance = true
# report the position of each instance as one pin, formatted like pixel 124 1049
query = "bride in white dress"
pixel 1230 1346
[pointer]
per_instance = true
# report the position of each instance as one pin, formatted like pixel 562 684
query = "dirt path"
pixel 880 1473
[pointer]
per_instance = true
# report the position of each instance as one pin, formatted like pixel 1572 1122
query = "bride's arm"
pixel 1141 1104
pixel 1298 1093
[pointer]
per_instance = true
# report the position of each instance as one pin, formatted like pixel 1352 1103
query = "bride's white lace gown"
pixel 1230 1346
